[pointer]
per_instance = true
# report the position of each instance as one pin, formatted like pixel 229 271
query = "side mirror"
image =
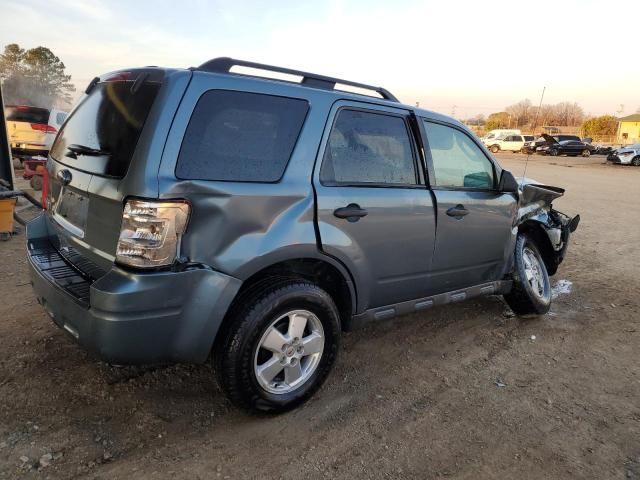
pixel 508 183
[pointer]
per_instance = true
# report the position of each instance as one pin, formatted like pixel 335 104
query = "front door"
pixel 474 220
pixel 374 211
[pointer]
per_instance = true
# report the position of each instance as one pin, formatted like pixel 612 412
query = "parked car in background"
pixel 602 150
pixel 498 133
pixel 32 130
pixel 629 155
pixel 509 143
pixel 560 145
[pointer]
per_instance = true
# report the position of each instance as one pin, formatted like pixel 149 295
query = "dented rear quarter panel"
pixel 239 228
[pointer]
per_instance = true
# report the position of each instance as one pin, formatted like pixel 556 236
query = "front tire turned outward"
pixel 531 292
pixel 279 347
pixel 586 153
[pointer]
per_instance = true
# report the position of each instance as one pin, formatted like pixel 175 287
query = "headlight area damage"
pixel 550 227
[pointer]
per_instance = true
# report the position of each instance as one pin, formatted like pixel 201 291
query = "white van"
pixel 498 134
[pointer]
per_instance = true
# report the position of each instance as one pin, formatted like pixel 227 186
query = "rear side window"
pixel 368 148
pixel 101 134
pixel 27 114
pixel 239 136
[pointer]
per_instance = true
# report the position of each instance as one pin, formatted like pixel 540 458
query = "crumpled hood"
pixel 549 138
pixel 627 150
pixel 534 196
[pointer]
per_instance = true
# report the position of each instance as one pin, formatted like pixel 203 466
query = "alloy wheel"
pixel 534 273
pixel 289 352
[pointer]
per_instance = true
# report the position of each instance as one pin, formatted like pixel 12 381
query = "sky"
pixel 460 57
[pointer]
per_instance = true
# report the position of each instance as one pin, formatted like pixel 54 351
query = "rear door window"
pixel 239 136
pixel 368 148
pixel 27 114
pixel 101 134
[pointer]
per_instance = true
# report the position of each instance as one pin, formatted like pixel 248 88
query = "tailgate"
pixel 89 163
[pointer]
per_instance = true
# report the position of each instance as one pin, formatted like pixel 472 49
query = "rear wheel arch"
pixel 326 273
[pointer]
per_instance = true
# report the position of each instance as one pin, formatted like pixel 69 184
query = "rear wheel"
pixel 586 152
pixel 278 347
pixel 36 182
pixel 531 292
pixel 494 149
pixel 636 161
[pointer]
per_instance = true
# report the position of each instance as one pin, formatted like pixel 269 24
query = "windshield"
pixel 101 134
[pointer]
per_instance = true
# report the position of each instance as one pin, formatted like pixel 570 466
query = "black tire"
pixel 636 161
pixel 17 163
pixel 553 152
pixel 494 149
pixel 236 348
pixel 36 182
pixel 586 153
pixel 522 299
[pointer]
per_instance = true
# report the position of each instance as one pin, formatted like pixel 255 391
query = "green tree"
pixel 35 77
pixel 497 120
pixel 598 126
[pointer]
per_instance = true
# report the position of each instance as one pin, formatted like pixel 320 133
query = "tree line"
pixel 525 116
pixel 34 77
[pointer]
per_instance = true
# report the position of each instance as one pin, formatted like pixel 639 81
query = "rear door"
pixel 474 220
pixel 511 143
pixel 374 212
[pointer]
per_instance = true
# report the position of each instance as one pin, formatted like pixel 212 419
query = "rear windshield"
pixel 242 137
pixel 101 134
pixel 27 114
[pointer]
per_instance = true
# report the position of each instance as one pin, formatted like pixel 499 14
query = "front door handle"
pixel 458 211
pixel 351 212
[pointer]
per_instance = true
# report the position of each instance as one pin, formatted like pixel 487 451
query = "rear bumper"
pixel 130 318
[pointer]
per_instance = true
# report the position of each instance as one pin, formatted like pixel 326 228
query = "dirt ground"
pixel 466 391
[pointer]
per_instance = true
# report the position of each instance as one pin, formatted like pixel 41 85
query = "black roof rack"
pixel 224 64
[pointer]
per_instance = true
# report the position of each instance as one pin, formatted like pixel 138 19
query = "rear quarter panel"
pixel 241 227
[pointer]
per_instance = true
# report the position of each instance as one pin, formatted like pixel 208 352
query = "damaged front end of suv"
pixel 551 228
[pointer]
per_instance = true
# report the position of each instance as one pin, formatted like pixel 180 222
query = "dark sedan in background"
pixel 564 145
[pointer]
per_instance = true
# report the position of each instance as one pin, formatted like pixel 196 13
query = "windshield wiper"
pixel 76 149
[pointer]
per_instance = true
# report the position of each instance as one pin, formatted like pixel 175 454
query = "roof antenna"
pixel 533 131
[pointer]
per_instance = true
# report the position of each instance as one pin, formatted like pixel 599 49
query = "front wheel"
pixel 531 292
pixel 554 152
pixel 279 346
pixel 586 152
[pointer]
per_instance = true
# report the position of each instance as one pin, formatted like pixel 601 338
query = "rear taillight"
pixel 43 127
pixel 151 231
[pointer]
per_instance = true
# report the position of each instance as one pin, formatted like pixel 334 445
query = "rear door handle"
pixel 351 212
pixel 458 211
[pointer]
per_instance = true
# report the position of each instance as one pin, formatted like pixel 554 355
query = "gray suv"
pixel 206 213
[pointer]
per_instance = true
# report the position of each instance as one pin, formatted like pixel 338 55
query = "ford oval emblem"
pixel 64 176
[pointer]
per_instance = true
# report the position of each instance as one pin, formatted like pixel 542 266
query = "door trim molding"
pixel 421 304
